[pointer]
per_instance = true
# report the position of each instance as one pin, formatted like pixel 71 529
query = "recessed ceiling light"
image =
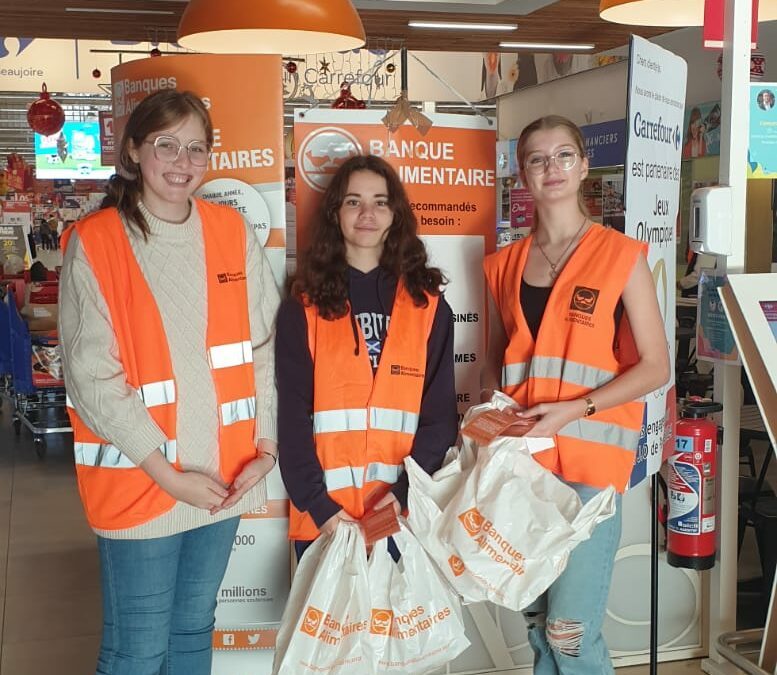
pixel 105 10
pixel 449 25
pixel 549 46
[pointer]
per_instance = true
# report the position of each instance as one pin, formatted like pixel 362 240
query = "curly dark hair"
pixel 322 274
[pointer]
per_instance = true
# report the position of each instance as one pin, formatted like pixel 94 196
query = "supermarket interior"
pixel 675 104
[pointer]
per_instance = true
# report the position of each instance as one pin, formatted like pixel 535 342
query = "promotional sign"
pixel 14 249
pixel 714 339
pixel 243 96
pixel 762 153
pixel 107 138
pixel 246 172
pixel 521 208
pixel 612 201
pixel 770 312
pixel 656 95
pixel 450 177
pixel 701 130
pixel 605 143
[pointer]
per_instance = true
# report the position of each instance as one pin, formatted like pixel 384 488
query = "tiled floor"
pixel 49 583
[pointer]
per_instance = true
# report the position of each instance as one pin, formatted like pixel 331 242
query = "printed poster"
pixel 762 152
pixel 656 102
pixel 714 339
pixel 769 309
pixel 521 208
pixel 701 130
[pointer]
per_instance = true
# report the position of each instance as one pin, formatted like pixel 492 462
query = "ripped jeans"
pixel 565 622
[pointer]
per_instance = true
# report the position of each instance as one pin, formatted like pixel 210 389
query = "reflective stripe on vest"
pixel 108 456
pixel 357 476
pixel 555 368
pixel 157 393
pixel 152 394
pixel 601 432
pixel 238 411
pixel 355 419
pixel 227 356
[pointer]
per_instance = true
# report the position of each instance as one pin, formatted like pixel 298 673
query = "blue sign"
pixel 762 155
pixel 605 143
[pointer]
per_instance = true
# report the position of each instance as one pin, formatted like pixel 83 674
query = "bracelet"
pixel 270 454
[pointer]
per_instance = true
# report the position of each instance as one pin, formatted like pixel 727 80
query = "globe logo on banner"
pixel 323 152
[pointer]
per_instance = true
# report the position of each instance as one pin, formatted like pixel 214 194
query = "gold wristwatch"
pixel 590 408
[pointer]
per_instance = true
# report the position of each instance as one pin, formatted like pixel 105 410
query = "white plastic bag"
pixel 500 529
pixel 328 611
pixel 513 524
pixel 417 624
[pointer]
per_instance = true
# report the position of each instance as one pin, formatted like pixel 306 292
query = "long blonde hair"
pixel 544 124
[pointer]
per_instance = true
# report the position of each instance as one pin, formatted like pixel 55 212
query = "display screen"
pixel 73 152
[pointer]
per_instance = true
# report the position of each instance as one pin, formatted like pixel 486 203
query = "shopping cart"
pixel 36 379
pixel 6 391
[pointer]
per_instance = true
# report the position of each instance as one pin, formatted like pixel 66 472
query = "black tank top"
pixel 533 302
pixel 534 299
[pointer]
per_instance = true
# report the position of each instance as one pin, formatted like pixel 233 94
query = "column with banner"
pixel 449 174
pixel 244 97
pixel 656 105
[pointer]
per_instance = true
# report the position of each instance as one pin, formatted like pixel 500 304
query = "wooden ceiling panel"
pixel 563 21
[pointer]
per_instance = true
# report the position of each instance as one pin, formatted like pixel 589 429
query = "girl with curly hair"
pixel 364 356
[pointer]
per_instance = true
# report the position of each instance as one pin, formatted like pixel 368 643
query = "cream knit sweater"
pixel 173 264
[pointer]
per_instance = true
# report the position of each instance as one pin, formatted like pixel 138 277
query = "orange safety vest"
pixel 116 493
pixel 576 352
pixel 363 427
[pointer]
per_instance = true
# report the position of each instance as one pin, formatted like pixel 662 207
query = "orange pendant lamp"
pixel 670 13
pixel 270 26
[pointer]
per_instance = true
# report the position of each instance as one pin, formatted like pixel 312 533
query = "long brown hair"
pixel 322 275
pixel 545 124
pixel 158 111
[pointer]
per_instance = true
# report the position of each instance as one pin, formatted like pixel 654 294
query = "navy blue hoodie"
pixel 371 298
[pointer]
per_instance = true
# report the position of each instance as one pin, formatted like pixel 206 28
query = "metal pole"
pixel 403 62
pixel 654 534
pixel 735 122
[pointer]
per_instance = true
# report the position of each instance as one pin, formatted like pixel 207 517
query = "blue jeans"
pixel 565 622
pixel 159 600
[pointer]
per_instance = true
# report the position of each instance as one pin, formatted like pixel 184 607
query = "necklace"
pixel 554 265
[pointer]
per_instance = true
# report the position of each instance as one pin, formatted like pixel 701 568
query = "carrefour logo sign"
pixel 657 130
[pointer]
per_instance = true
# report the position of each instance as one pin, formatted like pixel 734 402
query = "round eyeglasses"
pixel 168 149
pixel 537 163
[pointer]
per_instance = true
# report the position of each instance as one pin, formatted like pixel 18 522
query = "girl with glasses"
pixel 166 318
pixel 561 304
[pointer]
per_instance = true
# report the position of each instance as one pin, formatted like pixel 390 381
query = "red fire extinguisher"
pixel 690 539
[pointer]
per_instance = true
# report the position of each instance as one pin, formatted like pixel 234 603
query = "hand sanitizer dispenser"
pixel 710 224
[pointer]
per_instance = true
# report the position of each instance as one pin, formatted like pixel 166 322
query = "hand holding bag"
pixel 328 612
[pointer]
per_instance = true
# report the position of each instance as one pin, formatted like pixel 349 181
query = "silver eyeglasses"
pixel 168 149
pixel 537 163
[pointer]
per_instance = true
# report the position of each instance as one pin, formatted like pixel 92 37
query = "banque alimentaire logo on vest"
pixel 657 130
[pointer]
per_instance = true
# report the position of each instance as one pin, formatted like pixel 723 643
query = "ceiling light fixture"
pixel 549 46
pixel 270 26
pixel 104 10
pixel 450 25
pixel 669 13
